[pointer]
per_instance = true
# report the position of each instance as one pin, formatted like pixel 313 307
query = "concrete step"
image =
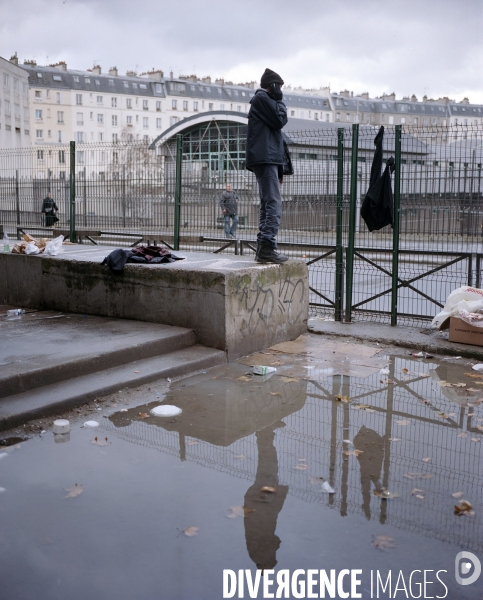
pixel 54 398
pixel 39 356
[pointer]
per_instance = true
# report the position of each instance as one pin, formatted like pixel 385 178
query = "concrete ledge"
pixel 230 302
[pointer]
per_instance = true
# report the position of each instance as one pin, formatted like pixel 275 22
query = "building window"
pixel 99 99
pixel 316 116
pixel 60 116
pixel 337 117
pixel 158 123
pixel 114 102
pixel 78 99
pixel 222 107
pixel 114 137
pixel 49 133
pixel 91 115
pixel 129 120
pixel 40 155
pixel 79 136
pixel 114 120
pixel 15 85
pixel 100 136
pixel 145 105
pixel 62 156
pixel 195 106
pixel 145 122
pixel 210 106
pixel 128 103
pixel 58 97
pixel 238 108
pixel 25 113
pixel 158 105
pixel 80 118
pixel 174 104
pixel 146 139
pixel 391 120
pixel 6 80
pixel 185 104
pixel 173 120
pixel 25 89
pixel 100 119
pixel 40 134
pixel 38 115
pixel 403 120
pixel 79 157
pixel 292 113
pixel 59 136
pixel 38 94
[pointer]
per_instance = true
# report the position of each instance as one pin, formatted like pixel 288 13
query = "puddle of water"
pixel 246 462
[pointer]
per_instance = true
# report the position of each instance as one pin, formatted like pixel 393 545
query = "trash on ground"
pixel 239 511
pixel 61 426
pixel 91 424
pixel 244 378
pixel 262 370
pixel 457 495
pixel 99 442
pixel 326 487
pixel 385 494
pixel 74 491
pixel 341 398
pixel 384 371
pixel 465 303
pixel 269 489
pixel 423 355
pixel 191 531
pixel 384 542
pixel 478 367
pixel 166 410
pixel 142 415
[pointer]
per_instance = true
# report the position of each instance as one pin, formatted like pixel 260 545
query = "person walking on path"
pixel 49 208
pixel 265 157
pixel 229 207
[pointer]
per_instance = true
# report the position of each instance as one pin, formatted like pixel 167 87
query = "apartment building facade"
pixel 14 105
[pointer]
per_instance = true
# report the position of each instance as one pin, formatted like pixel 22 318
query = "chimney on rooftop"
pixel 61 65
pixel 96 69
pixel 131 74
pixel 206 79
pixel 113 72
pixel 414 98
pixel 365 95
pixel 465 101
pixel 156 74
pixel 171 75
pixel 220 81
pixel 14 59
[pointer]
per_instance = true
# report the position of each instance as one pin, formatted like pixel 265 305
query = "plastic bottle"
pixel 15 312
pixel 6 245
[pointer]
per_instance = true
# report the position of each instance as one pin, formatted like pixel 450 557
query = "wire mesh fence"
pixel 113 190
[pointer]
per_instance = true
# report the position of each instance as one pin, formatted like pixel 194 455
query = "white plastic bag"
pixel 31 248
pixel 54 246
pixel 463 299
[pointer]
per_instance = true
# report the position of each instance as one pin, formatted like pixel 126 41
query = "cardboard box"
pixel 462 332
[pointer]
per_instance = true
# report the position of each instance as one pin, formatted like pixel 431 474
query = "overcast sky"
pixel 432 47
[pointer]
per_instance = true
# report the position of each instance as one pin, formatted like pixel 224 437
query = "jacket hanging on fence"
pixel 377 208
pixel 117 259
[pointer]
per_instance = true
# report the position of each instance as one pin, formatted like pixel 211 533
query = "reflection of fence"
pixel 130 187
pixel 414 418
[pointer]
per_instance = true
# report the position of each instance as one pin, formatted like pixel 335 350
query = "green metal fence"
pixel 117 193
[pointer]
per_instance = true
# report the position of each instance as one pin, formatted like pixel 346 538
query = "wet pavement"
pixel 350 456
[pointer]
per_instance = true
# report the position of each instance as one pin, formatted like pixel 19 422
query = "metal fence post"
pixel 17 197
pixel 339 251
pixel 177 192
pixel 395 232
pixel 72 236
pixel 352 224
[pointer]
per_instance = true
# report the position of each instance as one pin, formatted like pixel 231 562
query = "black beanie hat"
pixel 270 77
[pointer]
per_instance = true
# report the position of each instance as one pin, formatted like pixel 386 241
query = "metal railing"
pixel 172 193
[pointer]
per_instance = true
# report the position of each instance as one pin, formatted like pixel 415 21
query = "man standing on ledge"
pixel 264 156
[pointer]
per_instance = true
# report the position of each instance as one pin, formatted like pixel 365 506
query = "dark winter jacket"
pixel 49 205
pixel 264 138
pixel 377 208
pixel 228 202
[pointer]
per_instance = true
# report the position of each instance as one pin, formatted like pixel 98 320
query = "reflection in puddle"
pixel 290 433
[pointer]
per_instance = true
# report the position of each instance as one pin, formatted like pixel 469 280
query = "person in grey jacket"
pixel 265 157
pixel 229 207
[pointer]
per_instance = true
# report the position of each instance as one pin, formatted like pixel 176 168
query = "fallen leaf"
pixel 277 363
pixel 123 409
pixel 385 494
pixel 415 475
pixel 240 456
pixel 457 495
pixel 342 398
pixel 275 393
pixel 99 442
pixel 475 439
pixel 462 434
pixel 365 407
pixel 143 415
pixel 289 379
pixel 424 374
pixel 268 488
pixel 191 531
pixel 213 378
pixel 445 384
pixel 347 441
pixel 302 467
pixel 460 385
pixel 472 390
pixel 74 491
pixel 136 371
pixel 403 422
pixel 388 381
pixel 474 375
pixel 442 415
pixel 479 427
pixel 416 491
pixel 462 507
pixel 193 443
pixel 405 370
pixel 394 439
pixel 353 452
pixel 384 542
pixel 426 459
pixel 244 378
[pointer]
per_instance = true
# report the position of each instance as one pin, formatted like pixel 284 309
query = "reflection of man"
pixel 370 462
pixel 260 524
pixel 229 207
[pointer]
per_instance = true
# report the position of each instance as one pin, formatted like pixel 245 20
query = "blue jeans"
pixel 270 203
pixel 230 230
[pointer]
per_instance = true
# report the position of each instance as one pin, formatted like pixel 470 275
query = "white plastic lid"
pixel 91 424
pixel 166 410
pixel 61 426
